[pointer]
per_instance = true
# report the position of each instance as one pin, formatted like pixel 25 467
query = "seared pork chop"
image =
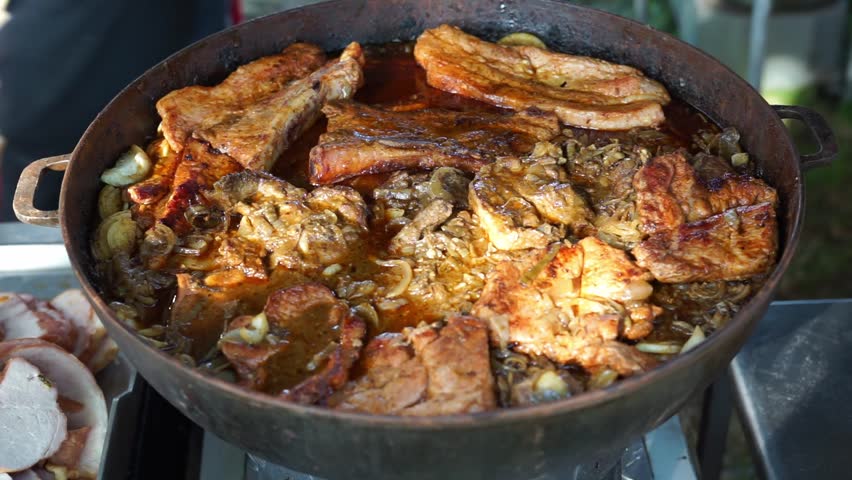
pixel 362 139
pixel 197 108
pixel 257 135
pixel 582 91
pixel 571 304
pixel 740 243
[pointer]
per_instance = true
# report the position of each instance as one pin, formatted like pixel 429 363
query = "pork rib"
pixel 362 139
pixel 257 136
pixel 195 108
pixel 582 91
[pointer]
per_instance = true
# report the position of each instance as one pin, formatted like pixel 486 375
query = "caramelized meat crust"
pixel 442 371
pixel 552 303
pixel 735 245
pixel 264 129
pixel 582 91
pixel 362 139
pixel 312 343
pixel 189 109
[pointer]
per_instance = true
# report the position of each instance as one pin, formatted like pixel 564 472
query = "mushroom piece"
pixel 31 424
pixel 76 385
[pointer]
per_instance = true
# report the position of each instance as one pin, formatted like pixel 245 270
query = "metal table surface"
pixel 793 384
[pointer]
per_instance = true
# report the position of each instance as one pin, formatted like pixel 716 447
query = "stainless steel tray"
pixel 33 260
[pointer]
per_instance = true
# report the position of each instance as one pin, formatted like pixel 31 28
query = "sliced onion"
pixel 602 379
pixel 367 312
pixel 259 328
pixel 662 348
pixel 131 167
pixel 696 338
pixel 405 272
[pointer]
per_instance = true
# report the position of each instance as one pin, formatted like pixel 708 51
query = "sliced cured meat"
pixel 32 426
pixel 75 382
pixel 90 331
pixel 23 316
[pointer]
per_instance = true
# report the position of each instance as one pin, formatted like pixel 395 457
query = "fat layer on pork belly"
pixel 582 91
pixel 194 108
pixel 429 370
pixel 572 303
pixel 361 139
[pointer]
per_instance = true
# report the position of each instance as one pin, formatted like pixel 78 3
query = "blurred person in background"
pixel 61 61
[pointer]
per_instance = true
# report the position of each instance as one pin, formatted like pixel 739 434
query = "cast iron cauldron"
pixel 543 441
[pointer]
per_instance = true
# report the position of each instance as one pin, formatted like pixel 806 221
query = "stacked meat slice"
pixel 52 411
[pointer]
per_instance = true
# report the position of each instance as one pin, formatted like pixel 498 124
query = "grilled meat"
pixel 571 304
pixel 443 371
pixel 362 139
pixel 312 342
pixel 582 91
pixel 258 134
pixel 528 203
pixel 190 109
pixel 158 185
pixel 735 245
pixel 669 193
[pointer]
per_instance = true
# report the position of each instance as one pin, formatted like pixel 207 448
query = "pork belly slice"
pixel 312 343
pixel 76 386
pixel 32 426
pixel 582 91
pixel 362 139
pixel 529 202
pixel 195 108
pixel 735 245
pixel 24 316
pixel 429 371
pixel 571 304
pixel 669 193
pixel 259 133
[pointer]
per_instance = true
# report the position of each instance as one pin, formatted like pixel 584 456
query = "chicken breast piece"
pixel 550 303
pixel 312 343
pixel 437 371
pixel 195 108
pixel 669 193
pixel 528 203
pixel 735 245
pixel 582 91
pixel 31 424
pixel 264 129
pixel 361 139
pixel 24 316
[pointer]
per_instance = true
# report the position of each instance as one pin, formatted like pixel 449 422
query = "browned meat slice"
pixel 444 371
pixel 571 304
pixel 259 133
pixel 669 193
pixel 734 245
pixel 23 316
pixel 312 342
pixel 582 91
pixel 528 203
pixel 194 108
pixel 457 362
pixel 362 139
pixel 394 378
pixel 157 186
pixel 197 170
pixel 31 425
pixel 75 383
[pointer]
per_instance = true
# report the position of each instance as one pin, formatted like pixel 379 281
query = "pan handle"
pixel 820 131
pixel 23 205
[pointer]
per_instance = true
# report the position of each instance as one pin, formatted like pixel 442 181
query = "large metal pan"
pixel 520 443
